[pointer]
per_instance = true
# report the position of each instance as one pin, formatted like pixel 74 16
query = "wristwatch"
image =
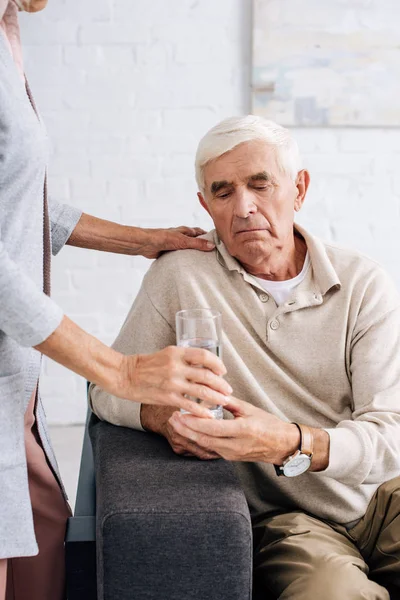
pixel 300 461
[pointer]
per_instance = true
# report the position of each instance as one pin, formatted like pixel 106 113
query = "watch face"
pixel 297 465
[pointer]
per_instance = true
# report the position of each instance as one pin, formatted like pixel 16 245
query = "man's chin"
pixel 257 244
pixel 251 248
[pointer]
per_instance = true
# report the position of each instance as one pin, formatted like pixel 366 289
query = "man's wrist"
pixel 320 459
pixel 154 418
pixel 290 443
pixel 291 437
pixel 145 417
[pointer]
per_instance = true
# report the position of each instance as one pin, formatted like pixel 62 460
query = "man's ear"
pixel 302 183
pixel 203 202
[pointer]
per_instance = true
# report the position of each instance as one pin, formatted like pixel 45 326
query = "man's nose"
pixel 244 204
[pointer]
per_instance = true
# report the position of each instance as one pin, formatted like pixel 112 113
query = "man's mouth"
pixel 250 230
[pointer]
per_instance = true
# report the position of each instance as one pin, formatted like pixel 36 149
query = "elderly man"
pixel 312 349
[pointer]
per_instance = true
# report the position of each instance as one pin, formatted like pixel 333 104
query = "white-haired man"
pixel 311 345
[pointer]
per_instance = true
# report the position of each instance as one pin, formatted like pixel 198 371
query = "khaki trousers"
pixel 40 577
pixel 300 557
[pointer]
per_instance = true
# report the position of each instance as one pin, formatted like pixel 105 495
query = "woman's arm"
pixel 98 234
pixel 163 378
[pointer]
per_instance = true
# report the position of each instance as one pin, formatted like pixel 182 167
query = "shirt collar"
pixel 325 276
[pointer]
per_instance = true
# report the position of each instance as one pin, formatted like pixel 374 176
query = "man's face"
pixel 251 201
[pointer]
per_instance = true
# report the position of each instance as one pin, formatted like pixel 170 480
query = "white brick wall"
pixel 127 88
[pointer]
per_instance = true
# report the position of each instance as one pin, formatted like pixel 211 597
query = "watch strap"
pixel 306 445
pixel 306 439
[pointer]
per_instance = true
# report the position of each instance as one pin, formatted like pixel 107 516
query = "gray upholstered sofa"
pixel 167 527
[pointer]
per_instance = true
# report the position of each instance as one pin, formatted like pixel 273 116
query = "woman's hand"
pixel 178 238
pixel 166 377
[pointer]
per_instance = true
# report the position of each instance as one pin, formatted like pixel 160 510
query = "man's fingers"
pixel 209 443
pixel 204 358
pixel 177 400
pixel 201 454
pixel 237 407
pixel 218 428
pixel 192 407
pixel 186 447
pixel 198 452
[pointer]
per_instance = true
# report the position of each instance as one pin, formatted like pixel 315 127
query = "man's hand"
pixel 156 419
pixel 253 435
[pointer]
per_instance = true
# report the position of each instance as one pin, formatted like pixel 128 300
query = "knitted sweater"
pixel 328 357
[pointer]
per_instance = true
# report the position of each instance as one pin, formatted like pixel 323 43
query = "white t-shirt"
pixel 281 290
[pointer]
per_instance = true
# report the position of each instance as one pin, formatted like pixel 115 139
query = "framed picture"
pixel 327 62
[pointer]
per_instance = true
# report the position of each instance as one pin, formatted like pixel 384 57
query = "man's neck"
pixel 282 265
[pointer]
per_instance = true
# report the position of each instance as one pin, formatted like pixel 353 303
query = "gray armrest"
pixel 82 526
pixel 168 527
pixel 80 541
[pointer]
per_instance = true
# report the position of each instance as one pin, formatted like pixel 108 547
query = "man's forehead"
pixel 243 162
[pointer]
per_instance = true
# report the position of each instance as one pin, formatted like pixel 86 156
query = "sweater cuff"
pixel 125 413
pixel 64 219
pixel 348 457
pixel 118 411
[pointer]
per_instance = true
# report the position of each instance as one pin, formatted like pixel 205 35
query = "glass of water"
pixel 201 328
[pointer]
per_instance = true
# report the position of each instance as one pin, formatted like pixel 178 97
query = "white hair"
pixel 231 132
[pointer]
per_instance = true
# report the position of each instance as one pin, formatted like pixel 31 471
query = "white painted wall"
pixel 127 88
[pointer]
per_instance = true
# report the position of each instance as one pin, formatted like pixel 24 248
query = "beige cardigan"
pixel 328 357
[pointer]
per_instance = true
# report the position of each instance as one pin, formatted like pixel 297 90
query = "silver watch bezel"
pixel 304 465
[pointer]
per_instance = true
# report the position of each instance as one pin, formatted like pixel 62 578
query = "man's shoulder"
pixel 343 256
pixel 362 274
pixel 348 263
pixel 350 260
pixel 173 267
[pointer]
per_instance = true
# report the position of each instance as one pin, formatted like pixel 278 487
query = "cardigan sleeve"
pixel 27 315
pixel 63 220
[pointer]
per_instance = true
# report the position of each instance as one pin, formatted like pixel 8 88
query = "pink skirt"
pixel 40 577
